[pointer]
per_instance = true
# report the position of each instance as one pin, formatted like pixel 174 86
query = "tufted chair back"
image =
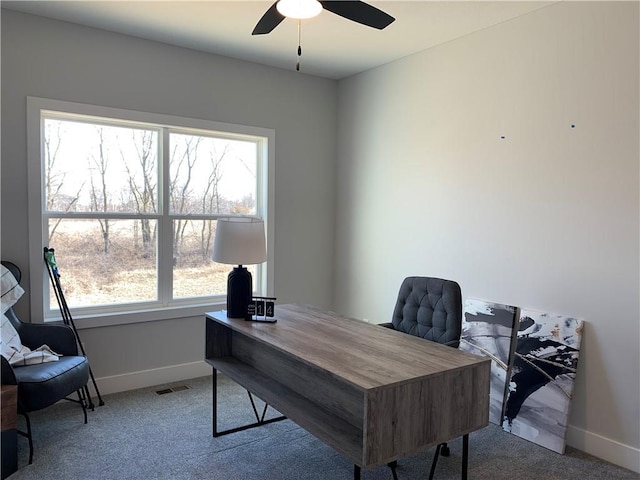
pixel 430 308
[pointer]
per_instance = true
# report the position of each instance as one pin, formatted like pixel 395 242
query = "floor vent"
pixel 172 389
pixel 180 388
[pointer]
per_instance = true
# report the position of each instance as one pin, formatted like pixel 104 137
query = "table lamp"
pixel 239 241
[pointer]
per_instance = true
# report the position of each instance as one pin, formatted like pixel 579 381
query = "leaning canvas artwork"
pixel 542 378
pixel 488 329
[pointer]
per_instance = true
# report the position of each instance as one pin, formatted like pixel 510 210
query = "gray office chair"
pixel 430 308
pixel 42 385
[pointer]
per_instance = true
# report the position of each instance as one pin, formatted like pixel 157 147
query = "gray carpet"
pixel 143 435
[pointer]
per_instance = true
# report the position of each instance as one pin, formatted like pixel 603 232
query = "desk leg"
pixel 434 461
pixel 214 402
pixel 465 455
pixel 260 420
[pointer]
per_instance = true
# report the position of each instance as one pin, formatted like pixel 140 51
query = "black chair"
pixel 42 385
pixel 431 308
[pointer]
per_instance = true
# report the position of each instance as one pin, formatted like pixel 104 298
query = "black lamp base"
pixel 239 293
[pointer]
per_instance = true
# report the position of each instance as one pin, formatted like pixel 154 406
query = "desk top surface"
pixel 366 355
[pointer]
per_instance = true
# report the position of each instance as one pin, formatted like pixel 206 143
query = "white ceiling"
pixel 332 46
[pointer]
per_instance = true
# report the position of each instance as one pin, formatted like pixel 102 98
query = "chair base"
pixel 441 450
pixel 465 456
pixel 28 436
pixel 82 400
pixel 391 465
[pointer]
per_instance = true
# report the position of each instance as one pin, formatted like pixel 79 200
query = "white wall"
pixel 51 59
pixel 547 218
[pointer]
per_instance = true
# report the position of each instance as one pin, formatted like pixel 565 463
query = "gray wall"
pixel 57 60
pixel 547 218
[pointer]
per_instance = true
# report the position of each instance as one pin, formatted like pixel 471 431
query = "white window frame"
pixel 39 279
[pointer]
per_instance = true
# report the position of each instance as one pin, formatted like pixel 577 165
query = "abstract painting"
pixel 488 329
pixel 542 378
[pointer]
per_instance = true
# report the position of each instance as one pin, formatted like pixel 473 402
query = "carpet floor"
pixel 144 435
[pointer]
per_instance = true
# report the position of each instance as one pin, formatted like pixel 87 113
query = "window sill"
pixel 151 315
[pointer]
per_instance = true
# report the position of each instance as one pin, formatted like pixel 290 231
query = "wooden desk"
pixel 371 393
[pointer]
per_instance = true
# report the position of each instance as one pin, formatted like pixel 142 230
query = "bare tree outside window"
pixel 99 194
pixel 105 205
pixel 55 176
pixel 205 176
pixel 142 174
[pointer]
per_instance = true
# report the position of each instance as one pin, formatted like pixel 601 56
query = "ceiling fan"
pixel 355 10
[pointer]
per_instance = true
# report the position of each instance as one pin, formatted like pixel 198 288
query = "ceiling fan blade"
pixel 270 20
pixel 359 12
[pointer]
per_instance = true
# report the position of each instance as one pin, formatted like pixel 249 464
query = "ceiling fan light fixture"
pixel 299 8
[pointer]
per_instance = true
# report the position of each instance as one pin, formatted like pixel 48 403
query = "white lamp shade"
pixel 239 241
pixel 299 8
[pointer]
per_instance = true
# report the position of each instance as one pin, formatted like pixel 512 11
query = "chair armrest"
pixel 60 338
pixel 387 325
pixel 8 377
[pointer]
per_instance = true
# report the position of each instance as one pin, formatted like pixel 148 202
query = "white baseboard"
pixel 150 378
pixel 605 448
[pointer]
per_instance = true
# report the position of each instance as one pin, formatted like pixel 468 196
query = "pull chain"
pixel 299 48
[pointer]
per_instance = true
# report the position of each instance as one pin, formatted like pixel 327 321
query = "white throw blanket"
pixel 12 348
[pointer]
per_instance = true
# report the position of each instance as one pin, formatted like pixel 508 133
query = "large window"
pixel 129 201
